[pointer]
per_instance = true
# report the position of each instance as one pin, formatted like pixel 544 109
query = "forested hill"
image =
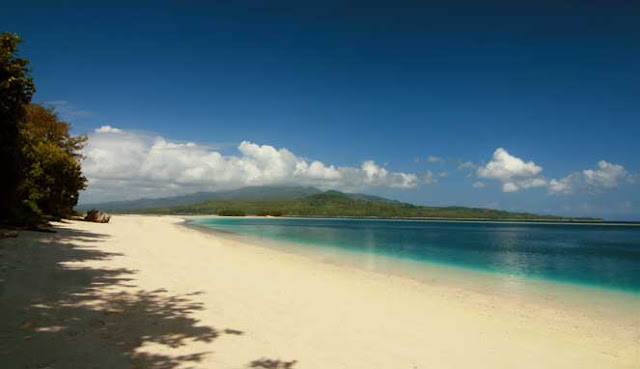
pixel 251 193
pixel 329 204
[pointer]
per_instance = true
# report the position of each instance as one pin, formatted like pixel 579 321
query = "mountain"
pixel 145 203
pixel 304 201
pixel 252 193
pixel 364 197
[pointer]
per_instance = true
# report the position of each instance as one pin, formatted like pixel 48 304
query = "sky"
pixel 516 105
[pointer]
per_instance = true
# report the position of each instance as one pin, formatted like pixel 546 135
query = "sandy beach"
pixel 148 292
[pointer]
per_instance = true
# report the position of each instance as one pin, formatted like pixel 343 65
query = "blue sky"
pixel 555 84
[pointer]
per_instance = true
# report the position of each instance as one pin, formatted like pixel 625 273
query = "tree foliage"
pixel 16 90
pixel 53 175
pixel 40 160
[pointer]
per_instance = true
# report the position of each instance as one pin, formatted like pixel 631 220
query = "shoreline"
pixel 529 289
pixel 415 219
pixel 288 307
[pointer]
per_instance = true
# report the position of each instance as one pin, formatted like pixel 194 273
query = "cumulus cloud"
pixel 605 176
pixel 434 159
pixel 479 184
pixel 107 129
pixel 124 164
pixel 562 186
pixel 506 167
pixel 513 172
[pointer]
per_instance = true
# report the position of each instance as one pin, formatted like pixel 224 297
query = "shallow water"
pixel 603 256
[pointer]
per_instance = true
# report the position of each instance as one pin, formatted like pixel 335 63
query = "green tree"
pixel 16 90
pixel 53 175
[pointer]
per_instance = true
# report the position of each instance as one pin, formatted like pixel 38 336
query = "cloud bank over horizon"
pixel 121 164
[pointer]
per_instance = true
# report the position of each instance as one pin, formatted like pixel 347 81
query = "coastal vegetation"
pixel 323 204
pixel 40 158
pixel 231 213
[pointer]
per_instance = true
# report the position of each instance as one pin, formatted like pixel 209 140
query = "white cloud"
pixel 513 172
pixel 561 186
pixel 510 187
pixel 532 182
pixel 605 176
pixel 434 159
pixel 504 167
pixel 123 164
pixel 106 129
pixel 479 184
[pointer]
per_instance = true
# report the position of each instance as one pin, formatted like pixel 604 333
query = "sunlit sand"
pixel 148 290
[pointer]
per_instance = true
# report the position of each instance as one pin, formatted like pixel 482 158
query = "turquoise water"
pixel 597 255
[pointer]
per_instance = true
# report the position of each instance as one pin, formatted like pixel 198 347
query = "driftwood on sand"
pixel 97 216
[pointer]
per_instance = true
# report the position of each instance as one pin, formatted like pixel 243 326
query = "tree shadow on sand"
pixel 54 314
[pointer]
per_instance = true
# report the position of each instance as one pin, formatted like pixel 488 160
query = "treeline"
pixel 241 213
pixel 40 159
pixel 336 204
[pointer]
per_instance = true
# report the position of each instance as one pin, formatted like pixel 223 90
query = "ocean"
pixel 593 255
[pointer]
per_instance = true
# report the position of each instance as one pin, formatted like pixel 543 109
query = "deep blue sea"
pixel 606 256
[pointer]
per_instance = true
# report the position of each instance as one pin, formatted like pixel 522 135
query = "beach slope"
pixel 148 292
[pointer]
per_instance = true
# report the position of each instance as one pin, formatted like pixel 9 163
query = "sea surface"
pixel 592 255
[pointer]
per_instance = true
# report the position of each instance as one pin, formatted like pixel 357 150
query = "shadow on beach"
pixel 54 314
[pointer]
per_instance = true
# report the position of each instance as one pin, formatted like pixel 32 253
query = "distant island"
pixel 307 201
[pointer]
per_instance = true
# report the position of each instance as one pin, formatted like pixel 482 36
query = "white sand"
pixel 290 307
